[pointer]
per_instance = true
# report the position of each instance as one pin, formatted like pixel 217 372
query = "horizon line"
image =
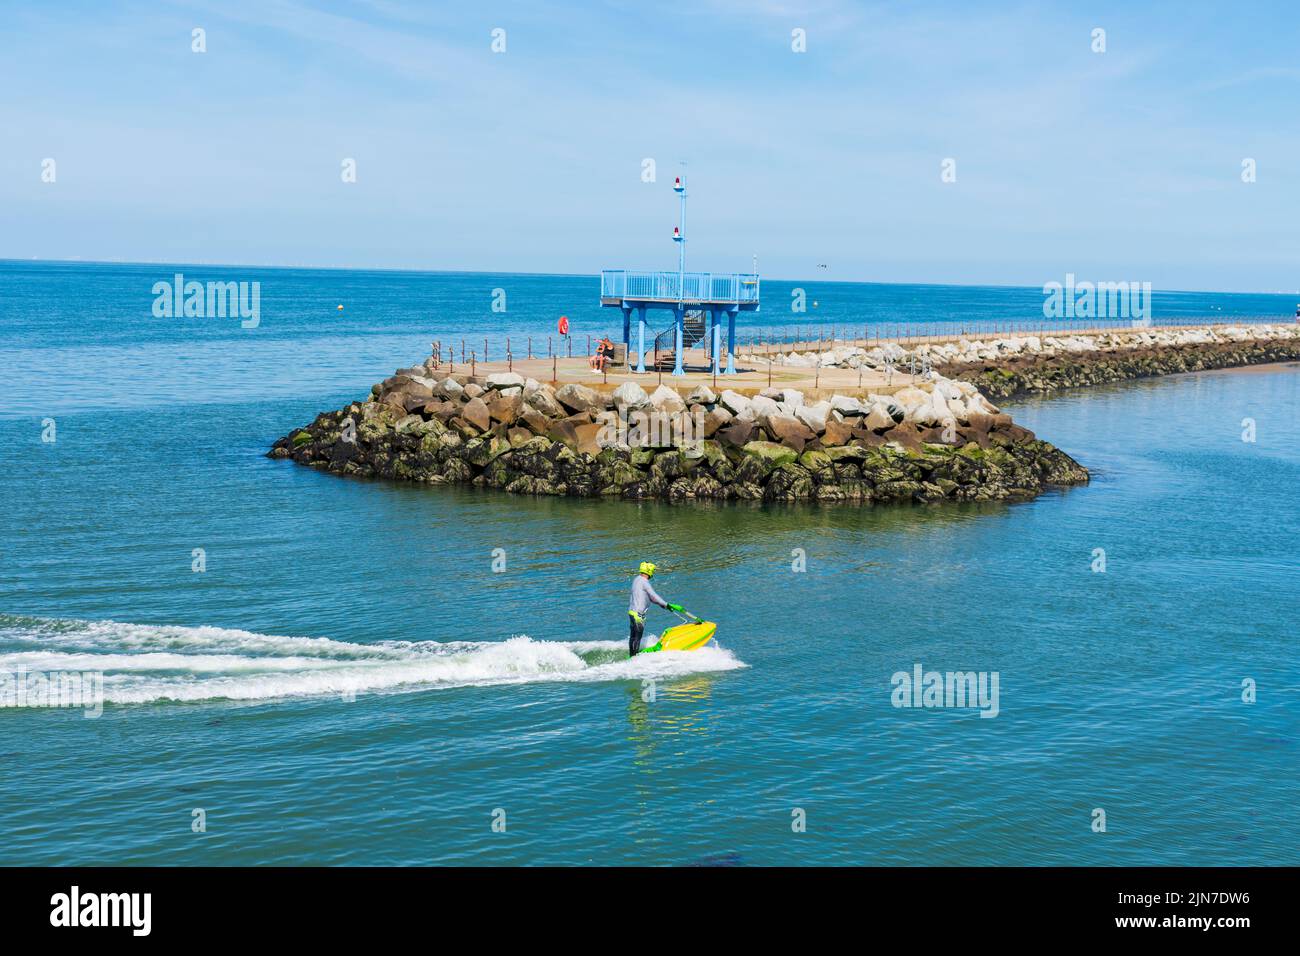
pixel 579 275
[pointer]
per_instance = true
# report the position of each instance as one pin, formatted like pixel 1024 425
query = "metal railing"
pixel 805 338
pixel 730 288
pixel 504 350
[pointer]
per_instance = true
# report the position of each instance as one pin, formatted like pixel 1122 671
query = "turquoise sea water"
pixel 349 681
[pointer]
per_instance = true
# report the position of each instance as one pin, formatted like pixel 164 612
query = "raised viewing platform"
pixel 698 290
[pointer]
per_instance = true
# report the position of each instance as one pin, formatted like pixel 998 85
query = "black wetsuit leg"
pixel 635 631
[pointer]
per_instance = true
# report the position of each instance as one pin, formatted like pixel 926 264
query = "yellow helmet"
pixel 647 569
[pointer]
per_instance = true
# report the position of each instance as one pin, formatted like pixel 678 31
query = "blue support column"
pixel 731 343
pixel 640 350
pixel 717 343
pixel 679 325
pixel 627 326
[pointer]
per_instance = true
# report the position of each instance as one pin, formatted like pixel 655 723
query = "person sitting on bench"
pixel 603 355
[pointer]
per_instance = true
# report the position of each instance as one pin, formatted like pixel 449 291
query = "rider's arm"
pixel 654 596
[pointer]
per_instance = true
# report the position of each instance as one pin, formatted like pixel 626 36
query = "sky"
pixel 1119 165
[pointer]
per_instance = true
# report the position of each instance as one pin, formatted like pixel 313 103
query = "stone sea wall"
pixel 1003 367
pixel 1038 374
pixel 938 440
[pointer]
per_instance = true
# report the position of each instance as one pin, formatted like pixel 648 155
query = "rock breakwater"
pixel 1003 367
pixel 938 440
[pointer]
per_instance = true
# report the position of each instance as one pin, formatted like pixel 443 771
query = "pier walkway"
pixel 752 373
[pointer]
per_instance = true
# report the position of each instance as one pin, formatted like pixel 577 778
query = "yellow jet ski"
pixel 690 635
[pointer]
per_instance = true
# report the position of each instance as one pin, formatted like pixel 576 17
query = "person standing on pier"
pixel 643 595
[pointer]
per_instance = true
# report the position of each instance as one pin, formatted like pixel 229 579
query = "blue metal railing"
pixel 737 288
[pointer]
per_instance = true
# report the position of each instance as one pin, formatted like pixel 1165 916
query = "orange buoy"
pixel 564 325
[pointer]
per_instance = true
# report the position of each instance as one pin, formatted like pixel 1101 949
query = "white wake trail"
pixel 144 663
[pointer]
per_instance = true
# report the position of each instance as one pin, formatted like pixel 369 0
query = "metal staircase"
pixel 665 346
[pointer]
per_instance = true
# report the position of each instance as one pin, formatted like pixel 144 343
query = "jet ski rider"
pixel 643 595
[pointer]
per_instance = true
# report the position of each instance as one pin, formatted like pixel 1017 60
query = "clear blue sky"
pixel 1122 165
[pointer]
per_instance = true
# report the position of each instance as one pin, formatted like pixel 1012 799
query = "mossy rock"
pixel 302 438
pixel 815 461
pixel 789 482
pixel 752 470
pixel 672 465
pixel 714 453
pixel 897 490
pixel 528 485
pixel 457 471
pixel 619 475
pixel 772 453
pixel 839 453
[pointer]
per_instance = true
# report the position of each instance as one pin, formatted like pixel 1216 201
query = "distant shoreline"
pixel 593 274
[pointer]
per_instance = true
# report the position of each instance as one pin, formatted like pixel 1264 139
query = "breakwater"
pixel 939 439
pixel 1021 364
pixel 1028 374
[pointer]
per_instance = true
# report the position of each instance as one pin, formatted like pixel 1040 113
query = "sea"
pixel 291 667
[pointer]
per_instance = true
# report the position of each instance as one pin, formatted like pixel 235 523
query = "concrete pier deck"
pixel 752 377
pixel 562 371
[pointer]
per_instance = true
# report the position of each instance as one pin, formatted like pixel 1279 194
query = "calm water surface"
pixel 349 682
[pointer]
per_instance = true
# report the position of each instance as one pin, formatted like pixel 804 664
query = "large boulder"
pixel 814 416
pixel 838 432
pixel 764 407
pixel 412 385
pixel 847 405
pixel 543 400
pixel 817 462
pixel 771 453
pixel 505 407
pixel 879 418
pixel 790 431
pixel 413 403
pixel 476 412
pixel 701 395
pixel 788 482
pixel 563 432
pixel 534 420
pixel 715 419
pixel 580 398
pixel 846 453
pixel 630 395
pixel 933 411
pixel 981 422
pixel 442 411
pixel 587 437
pixel 910 398
pixel 505 380
pixel 734 402
pixel 666 399
pixel 907 435
pixel 738 432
